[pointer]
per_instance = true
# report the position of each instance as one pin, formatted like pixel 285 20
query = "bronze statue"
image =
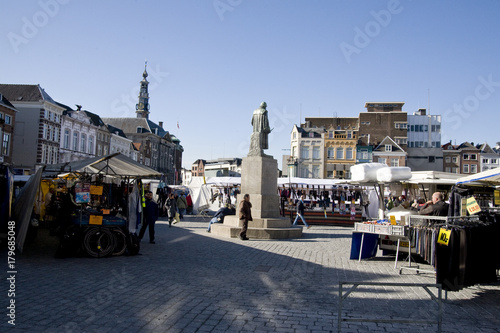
pixel 259 139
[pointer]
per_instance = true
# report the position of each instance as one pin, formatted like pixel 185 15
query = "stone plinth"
pixel 259 178
pixel 268 228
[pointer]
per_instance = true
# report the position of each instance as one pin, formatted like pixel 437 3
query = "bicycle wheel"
pixel 99 242
pixel 120 242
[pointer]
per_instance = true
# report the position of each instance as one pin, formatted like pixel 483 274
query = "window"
pixel 466 168
pixel 454 159
pixel 303 172
pixel 330 134
pixel 349 134
pixel 348 154
pixel 329 174
pixel 388 147
pixel 99 150
pixel 330 152
pixel 66 139
pixel 364 154
pixel 485 160
pixel 473 157
pixel 8 120
pixel 473 168
pixel 294 135
pixel 316 154
pixel 454 170
pixel 75 141
pixel 340 153
pixel 432 159
pixel 448 159
pixel 83 144
pixel 315 171
pixel 105 150
pixel 493 161
pixel 311 134
pixel 304 152
pixel 394 162
pixel 382 160
pixel 91 145
pixel 6 144
pixel 447 169
pixel 412 128
pixel 466 156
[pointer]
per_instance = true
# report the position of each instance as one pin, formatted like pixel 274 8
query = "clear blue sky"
pixel 212 62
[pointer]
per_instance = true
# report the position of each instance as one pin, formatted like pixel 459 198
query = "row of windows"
pixel 338 153
pixel 49 154
pixel 79 142
pixel 394 161
pixel 50 133
pixel 401 125
pixel 424 128
pixel 488 161
pixel 331 134
pixel 52 116
pixel 424 144
pixel 472 168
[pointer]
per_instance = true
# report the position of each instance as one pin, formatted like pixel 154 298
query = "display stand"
pixel 416 267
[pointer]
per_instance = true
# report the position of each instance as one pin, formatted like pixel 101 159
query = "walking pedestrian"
pixel 300 212
pixel 245 215
pixel 150 217
pixel 170 208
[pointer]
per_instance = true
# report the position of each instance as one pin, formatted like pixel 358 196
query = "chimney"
pixel 160 123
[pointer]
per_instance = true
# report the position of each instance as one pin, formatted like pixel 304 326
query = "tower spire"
pixel 142 108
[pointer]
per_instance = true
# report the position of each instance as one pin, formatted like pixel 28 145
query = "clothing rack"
pixel 416 268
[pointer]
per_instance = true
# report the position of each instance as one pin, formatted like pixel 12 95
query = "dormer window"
pixel 388 147
pixel 139 129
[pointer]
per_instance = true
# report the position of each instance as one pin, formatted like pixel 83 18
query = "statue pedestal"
pixel 259 178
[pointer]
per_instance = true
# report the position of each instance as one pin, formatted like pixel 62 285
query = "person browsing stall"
pixel 436 206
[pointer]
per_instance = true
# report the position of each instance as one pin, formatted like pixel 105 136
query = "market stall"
pixel 100 205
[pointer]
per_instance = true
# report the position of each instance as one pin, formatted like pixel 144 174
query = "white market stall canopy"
pixel 113 165
pixel 309 181
pixel 488 177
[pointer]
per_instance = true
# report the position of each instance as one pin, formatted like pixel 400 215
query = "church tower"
pixel 142 108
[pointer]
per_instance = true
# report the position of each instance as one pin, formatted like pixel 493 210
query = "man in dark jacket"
pixel 436 206
pixel 300 212
pixel 245 215
pixel 150 217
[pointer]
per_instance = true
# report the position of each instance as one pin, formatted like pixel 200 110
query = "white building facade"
pixel 78 136
pixel 424 142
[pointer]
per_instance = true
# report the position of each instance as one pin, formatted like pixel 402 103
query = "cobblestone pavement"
pixel 192 281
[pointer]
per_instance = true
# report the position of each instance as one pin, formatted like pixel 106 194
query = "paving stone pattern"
pixel 192 281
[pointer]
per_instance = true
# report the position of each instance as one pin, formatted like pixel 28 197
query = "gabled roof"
pixel 388 141
pixel 129 125
pixel 95 119
pixel 5 102
pixel 485 148
pixel 467 145
pixel 25 93
pixel 116 130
